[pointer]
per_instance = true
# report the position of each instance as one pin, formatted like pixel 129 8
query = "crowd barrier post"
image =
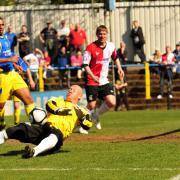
pixel 41 80
pixel 147 81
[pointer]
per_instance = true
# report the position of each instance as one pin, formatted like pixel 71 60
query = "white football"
pixel 38 116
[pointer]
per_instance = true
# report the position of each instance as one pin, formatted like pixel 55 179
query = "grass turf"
pixel 80 158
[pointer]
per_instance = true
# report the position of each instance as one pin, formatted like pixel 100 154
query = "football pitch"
pixel 133 145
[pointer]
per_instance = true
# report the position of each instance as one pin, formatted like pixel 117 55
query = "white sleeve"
pixel 86 58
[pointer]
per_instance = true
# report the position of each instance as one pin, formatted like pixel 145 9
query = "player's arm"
pixel 86 61
pixel 31 81
pixel 84 117
pixel 119 68
pixel 53 108
pixel 12 59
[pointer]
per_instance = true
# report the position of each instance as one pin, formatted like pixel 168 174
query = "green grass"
pixel 107 160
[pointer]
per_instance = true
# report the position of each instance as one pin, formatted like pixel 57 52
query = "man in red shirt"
pixel 96 59
pixel 77 39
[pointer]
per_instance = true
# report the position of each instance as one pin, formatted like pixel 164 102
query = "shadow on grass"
pixel 157 135
pixel 20 152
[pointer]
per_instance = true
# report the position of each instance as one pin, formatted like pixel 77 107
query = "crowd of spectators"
pixel 63 47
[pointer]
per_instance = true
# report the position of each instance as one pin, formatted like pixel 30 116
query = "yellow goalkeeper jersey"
pixel 65 123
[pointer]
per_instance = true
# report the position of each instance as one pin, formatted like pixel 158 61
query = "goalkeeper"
pixel 62 117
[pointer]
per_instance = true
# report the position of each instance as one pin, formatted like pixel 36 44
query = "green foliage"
pixel 7 2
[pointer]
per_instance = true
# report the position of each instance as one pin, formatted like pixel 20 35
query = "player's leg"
pixel 17 110
pixel 21 90
pixel 5 84
pixel 25 96
pixel 106 93
pixel 52 142
pixel 23 132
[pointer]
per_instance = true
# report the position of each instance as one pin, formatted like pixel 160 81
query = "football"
pixel 38 116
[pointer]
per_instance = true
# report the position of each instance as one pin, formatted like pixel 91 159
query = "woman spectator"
pixel 76 61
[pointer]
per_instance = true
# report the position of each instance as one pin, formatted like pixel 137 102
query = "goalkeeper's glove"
pixel 86 122
pixel 63 111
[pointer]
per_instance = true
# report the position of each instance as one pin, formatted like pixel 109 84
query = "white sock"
pixel 102 109
pixel 46 144
pixel 3 136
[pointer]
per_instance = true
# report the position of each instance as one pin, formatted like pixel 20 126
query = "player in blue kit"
pixel 11 83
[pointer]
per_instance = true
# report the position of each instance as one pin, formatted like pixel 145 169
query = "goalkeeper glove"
pixel 63 111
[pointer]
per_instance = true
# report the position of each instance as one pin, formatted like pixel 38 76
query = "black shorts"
pixel 94 92
pixel 34 133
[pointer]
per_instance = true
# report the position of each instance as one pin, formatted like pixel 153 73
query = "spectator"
pixel 63 63
pixel 48 37
pixel 122 55
pixel 155 59
pixel 176 53
pixel 167 60
pixel 76 61
pixel 11 36
pixel 33 63
pixel 63 33
pixel 121 93
pixel 138 40
pixel 78 39
pixel 24 42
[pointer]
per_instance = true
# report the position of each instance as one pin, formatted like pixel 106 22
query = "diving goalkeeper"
pixel 63 116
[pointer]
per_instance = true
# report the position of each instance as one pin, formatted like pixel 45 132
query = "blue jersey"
pixel 11 36
pixel 5 52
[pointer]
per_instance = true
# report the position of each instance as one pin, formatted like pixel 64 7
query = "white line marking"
pixel 175 177
pixel 93 169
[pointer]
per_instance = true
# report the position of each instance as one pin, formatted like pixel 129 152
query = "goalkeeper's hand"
pixel 63 111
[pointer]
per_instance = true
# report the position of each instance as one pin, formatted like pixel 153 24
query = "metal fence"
pixel 160 21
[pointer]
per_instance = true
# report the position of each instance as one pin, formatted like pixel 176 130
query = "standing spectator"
pixel 138 40
pixel 96 59
pixel 11 36
pixel 63 33
pixel 78 39
pixel 48 37
pixel 167 60
pixel 155 59
pixel 63 63
pixel 76 61
pixel 122 55
pixel 24 42
pixel 176 53
pixel 121 93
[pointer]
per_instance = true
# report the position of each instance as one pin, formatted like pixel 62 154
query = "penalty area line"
pixel 93 169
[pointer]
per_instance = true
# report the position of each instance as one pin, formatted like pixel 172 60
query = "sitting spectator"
pixel 155 59
pixel 176 53
pixel 121 93
pixel 76 61
pixel 167 61
pixel 63 63
pixel 122 55
pixel 33 63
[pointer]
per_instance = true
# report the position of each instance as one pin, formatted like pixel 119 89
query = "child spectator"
pixel 176 53
pixel 155 59
pixel 121 93
pixel 76 61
